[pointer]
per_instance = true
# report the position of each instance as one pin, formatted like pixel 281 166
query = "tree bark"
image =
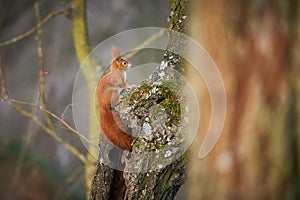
pixel 154 184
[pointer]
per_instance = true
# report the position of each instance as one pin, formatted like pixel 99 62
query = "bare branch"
pixel 4 90
pixel 52 133
pixel 42 95
pixel 62 116
pixel 145 43
pixel 51 114
pixel 34 29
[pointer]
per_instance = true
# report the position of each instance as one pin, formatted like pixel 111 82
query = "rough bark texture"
pixel 179 22
pixel 161 184
pixel 255 45
pixel 106 183
pixel 102 182
pixel 155 184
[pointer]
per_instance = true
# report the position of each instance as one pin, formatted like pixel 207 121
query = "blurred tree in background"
pixel 256 46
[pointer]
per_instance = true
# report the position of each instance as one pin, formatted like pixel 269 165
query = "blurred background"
pixel 255 45
pixel 32 164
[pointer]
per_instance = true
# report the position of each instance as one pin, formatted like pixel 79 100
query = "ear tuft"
pixel 115 52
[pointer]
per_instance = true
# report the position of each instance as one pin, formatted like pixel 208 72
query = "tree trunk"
pixel 162 183
pixel 255 45
pixel 88 67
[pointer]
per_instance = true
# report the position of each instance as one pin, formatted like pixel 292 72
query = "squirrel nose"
pixel 129 65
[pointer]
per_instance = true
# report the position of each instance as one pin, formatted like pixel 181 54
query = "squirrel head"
pixel 118 62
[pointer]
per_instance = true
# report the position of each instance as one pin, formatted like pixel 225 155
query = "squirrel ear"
pixel 115 52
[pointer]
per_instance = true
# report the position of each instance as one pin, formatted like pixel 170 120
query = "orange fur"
pixel 107 94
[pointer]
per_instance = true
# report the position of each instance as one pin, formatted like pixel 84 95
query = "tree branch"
pixel 34 29
pixel 42 96
pixel 49 113
pixel 163 183
pixel 145 43
pixel 52 133
pixel 4 91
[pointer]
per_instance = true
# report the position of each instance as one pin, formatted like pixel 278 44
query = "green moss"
pixel 164 95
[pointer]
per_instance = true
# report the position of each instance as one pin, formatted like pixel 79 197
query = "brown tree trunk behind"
pixel 255 45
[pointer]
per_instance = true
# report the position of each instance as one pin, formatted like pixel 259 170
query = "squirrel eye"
pixel 124 63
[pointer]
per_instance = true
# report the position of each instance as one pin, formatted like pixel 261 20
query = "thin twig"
pixel 145 43
pixel 62 116
pixel 29 131
pixel 38 34
pixel 32 30
pixel 62 2
pixel 42 95
pixel 52 133
pixel 4 90
pixel 51 114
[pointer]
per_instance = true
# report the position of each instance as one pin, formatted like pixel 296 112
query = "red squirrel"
pixel 107 94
